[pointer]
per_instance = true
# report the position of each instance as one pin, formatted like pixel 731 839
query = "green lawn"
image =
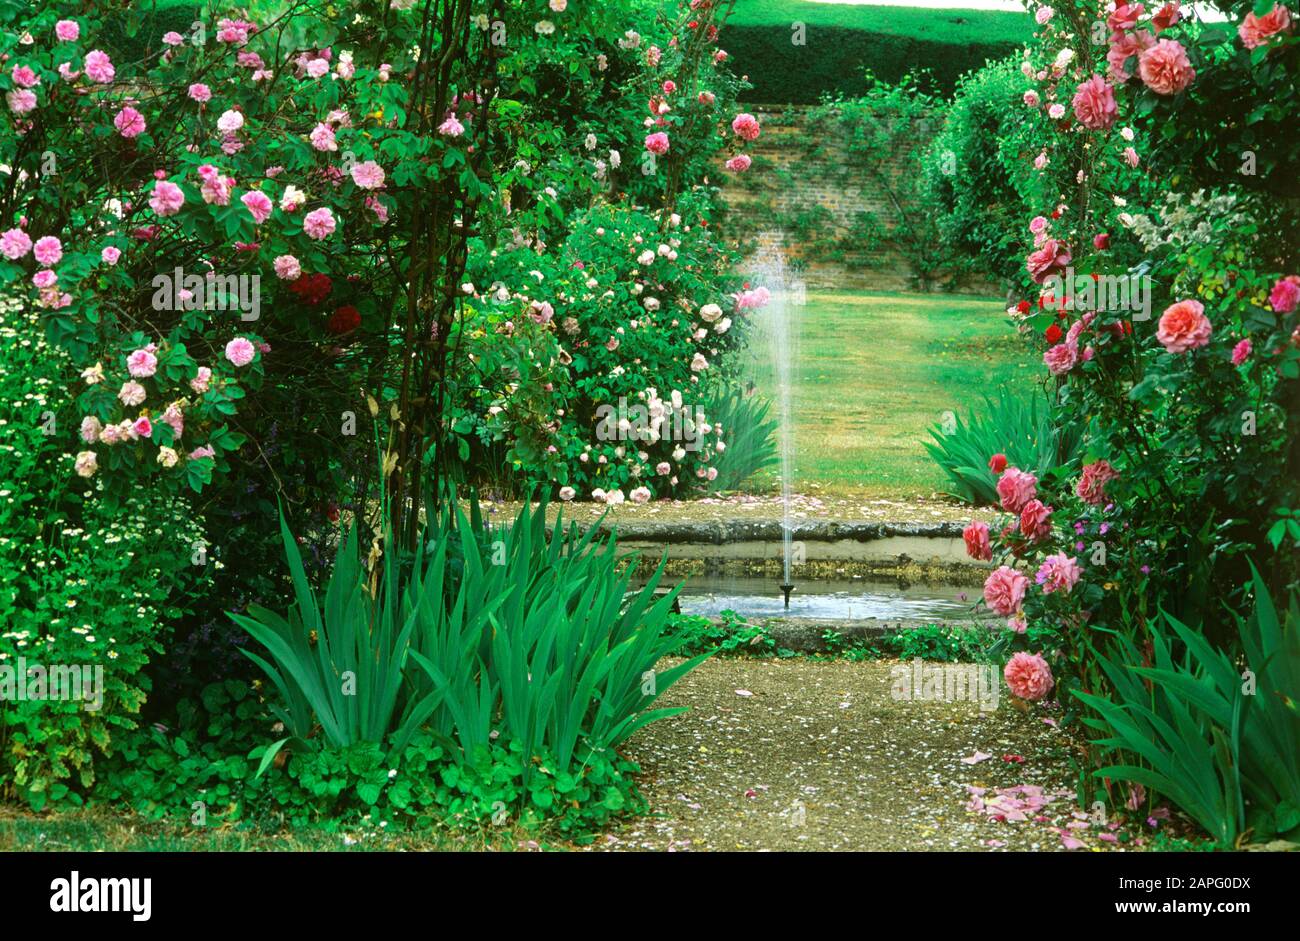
pixel 876 370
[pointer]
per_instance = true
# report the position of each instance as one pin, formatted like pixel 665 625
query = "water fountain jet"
pixel 778 316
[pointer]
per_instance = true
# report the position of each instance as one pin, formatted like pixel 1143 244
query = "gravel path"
pixel 818 755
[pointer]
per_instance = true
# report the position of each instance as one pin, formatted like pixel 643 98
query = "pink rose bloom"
pixel 1123 47
pixel 45 278
pixel 1241 352
pixel 1165 68
pixel 706 98
pixel 1255 31
pixel 319 223
pixel 977 541
pixel 1285 296
pixel 48 250
pixel 21 100
pixel 14 244
pixel 167 198
pixel 451 127
pixel 1061 358
pixel 1091 487
pixel 1094 104
pixel 200 452
pixel 1131 157
pixel 1031 97
pixel 752 300
pixel 1004 590
pixel 1035 521
pixel 1042 15
pixel 1058 572
pixel 657 143
pixel 746 126
pixel 110 254
pixel 258 205
pixel 368 175
pixel 639 495
pixel 663 469
pixel 1124 16
pixel 174 418
pixel 287 268
pixel 1016 488
pixel 322 138
pixel 141 364
pixel 1028 676
pixel 200 382
pixel 67 30
pixel 240 351
pixel 24 76
pixel 1183 326
pixel 215 189
pixel 200 92
pixel 1050 259
pixel 99 67
pixel 172 38
pixel 143 427
pixel 230 121
pixel 129 123
pixel 131 393
pixel 90 429
pixel 739 163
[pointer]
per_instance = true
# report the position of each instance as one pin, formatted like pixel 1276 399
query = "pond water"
pixel 846 599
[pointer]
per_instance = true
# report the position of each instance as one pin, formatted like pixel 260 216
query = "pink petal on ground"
pixel 1071 843
pixel 975 758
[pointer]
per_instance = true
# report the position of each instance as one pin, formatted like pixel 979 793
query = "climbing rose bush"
pixel 1186 383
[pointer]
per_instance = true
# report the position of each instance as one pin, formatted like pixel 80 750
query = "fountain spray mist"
pixel 779 321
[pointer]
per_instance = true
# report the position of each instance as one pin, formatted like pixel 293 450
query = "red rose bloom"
pixel 344 320
pixel 312 288
pixel 1053 333
pixel 998 463
pixel 1023 307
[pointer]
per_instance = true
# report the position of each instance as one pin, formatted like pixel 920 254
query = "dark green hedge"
pixel 835 57
pixel 138 33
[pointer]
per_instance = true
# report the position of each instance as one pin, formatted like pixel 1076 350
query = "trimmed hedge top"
pixel 842 40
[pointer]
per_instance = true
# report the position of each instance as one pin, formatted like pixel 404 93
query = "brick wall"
pixel 829 193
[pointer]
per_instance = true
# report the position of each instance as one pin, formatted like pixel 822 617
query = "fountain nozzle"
pixel 785 590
